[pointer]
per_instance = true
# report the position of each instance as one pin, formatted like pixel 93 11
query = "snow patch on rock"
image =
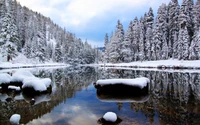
pixel 36 83
pixel 5 78
pixel 110 117
pixel 137 82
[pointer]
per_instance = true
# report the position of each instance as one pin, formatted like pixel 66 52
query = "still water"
pixel 174 99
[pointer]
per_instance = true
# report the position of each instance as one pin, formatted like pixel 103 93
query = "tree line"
pixel 37 37
pixel 173 33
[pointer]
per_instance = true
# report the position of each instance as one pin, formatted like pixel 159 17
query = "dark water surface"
pixel 174 99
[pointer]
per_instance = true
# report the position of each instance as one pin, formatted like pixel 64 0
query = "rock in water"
pixel 110 117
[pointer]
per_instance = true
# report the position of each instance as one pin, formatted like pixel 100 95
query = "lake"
pixel 173 98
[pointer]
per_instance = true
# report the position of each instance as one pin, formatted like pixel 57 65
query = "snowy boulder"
pixel 14 119
pixel 123 87
pixel 5 78
pixel 137 82
pixel 109 118
pixel 20 75
pixel 36 85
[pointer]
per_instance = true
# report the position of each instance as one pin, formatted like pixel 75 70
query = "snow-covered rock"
pixel 5 78
pixel 14 119
pixel 110 117
pixel 20 75
pixel 137 82
pixel 36 83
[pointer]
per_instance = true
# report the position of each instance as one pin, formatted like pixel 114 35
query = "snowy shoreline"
pixel 161 64
pixel 7 65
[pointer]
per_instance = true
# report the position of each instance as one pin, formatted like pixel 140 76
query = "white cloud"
pixel 79 13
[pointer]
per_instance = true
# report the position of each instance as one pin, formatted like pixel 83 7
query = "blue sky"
pixel 91 19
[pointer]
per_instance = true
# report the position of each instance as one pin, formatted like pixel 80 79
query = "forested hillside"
pixel 173 33
pixel 23 31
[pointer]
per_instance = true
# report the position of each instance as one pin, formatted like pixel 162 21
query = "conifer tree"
pixel 115 44
pixel 136 40
pixel 8 37
pixel 149 34
pixel 173 25
pixel 125 50
pixel 58 53
pixel 142 40
pixel 182 46
pixel 161 34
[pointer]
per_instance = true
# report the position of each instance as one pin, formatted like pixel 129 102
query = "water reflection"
pixel 174 98
pixel 65 84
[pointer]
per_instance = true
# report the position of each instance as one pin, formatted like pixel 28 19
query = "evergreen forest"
pixel 23 31
pixel 173 34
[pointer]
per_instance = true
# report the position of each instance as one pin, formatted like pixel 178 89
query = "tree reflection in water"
pixel 173 98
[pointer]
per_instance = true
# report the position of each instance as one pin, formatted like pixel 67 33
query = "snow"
pixel 14 119
pixel 5 78
pixel 27 79
pixel 37 84
pixel 110 117
pixel 138 82
pixel 20 75
pixel 155 64
pixel 22 62
pixel 14 87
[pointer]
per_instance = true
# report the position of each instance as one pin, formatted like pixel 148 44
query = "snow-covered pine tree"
pixel 188 5
pixel 156 45
pixel 161 34
pixel 194 51
pixel 28 35
pixel 57 54
pixel 105 53
pixel 9 50
pixel 9 36
pixel 125 50
pixel 49 51
pixel 194 48
pixel 173 10
pixel 196 13
pixel 136 40
pixel 21 26
pixel 182 46
pixel 142 40
pixel 41 39
pixel 106 40
pixel 149 34
pixel 115 44
pixel 2 11
pixel 88 54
